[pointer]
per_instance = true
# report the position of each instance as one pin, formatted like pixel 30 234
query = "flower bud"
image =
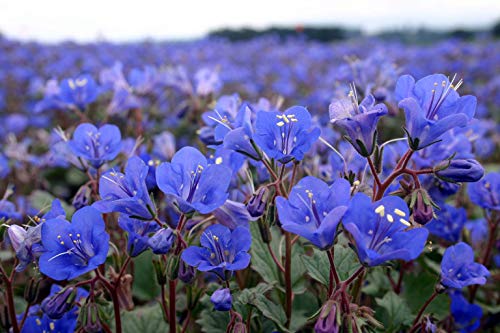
pixel 89 318
pixel 186 273
pixel 239 327
pixel 257 204
pixel 161 241
pixel 31 290
pixel 173 267
pixel 57 305
pixel 222 299
pixel 17 236
pixel 82 197
pixel 161 276
pixel 459 170
pixel 327 321
pixel 421 205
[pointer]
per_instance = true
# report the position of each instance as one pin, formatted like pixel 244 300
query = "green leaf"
pixel 145 319
pixel 270 310
pixel 212 321
pixel 346 261
pixel 304 306
pixel 394 313
pixel 418 288
pixel 263 263
pixel 318 266
pixel 145 286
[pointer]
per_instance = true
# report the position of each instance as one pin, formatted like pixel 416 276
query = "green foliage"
pixel 144 319
pixel 394 313
pixel 145 287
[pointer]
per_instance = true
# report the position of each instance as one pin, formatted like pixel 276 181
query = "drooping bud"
pixel 161 242
pixel 328 319
pixel 257 204
pixel 17 234
pixel 58 304
pixel 186 273
pixel 422 207
pixel 459 170
pixel 31 290
pixel 82 197
pixel 222 299
pixel 89 318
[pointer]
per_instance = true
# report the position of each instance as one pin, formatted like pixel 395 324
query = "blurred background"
pixel 130 20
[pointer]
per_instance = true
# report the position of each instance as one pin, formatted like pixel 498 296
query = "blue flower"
pixel 4 166
pixel 75 248
pixel 458 268
pixel 79 92
pixel 486 192
pixel 139 233
pixel 96 145
pixel 161 242
pixel 223 251
pixel 432 107
pixel 222 299
pixel 233 214
pixel 358 120
pixel 380 230
pixel 478 231
pixel 194 185
pixel 314 209
pixel 459 170
pixel 449 223
pixel 467 316
pixel 287 135
pixel 126 193
pixel 8 211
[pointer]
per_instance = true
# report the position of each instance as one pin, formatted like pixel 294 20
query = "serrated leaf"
pixel 317 266
pixel 145 319
pixel 346 261
pixel 247 295
pixel 270 310
pixel 394 313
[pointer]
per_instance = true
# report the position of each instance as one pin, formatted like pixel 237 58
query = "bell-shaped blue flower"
pixel 222 299
pixel 139 233
pixel 195 185
pixel 459 170
pixel 287 135
pixel 75 248
pixel 380 230
pixel 314 209
pixel 96 145
pixel 458 268
pixel 161 242
pixel 449 223
pixel 358 120
pixel 222 251
pixel 466 316
pixel 126 193
pixel 79 92
pixel 432 107
pixel 486 192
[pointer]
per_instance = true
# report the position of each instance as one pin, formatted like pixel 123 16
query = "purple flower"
pixel 449 223
pixel 287 135
pixel 96 145
pixel 459 170
pixel 126 193
pixel 75 248
pixel 432 107
pixel 195 185
pixel 467 316
pixel 358 120
pixel 223 251
pixel 380 230
pixel 161 242
pixel 458 268
pixel 478 231
pixel 139 233
pixel 314 209
pixel 222 299
pixel 79 92
pixel 486 192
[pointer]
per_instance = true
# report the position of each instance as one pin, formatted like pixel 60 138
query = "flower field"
pixel 268 185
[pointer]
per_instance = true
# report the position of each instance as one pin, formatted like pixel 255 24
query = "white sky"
pixel 87 20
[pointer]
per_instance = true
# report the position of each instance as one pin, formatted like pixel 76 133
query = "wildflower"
pixel 466 316
pixel 458 268
pixel 161 241
pixel 449 223
pixel 139 233
pixel 358 120
pixel 286 135
pixel 222 299
pixel 379 230
pixel 79 92
pixel 432 107
pixel 126 193
pixel 459 170
pixel 193 184
pixel 96 145
pixel 223 251
pixel 314 209
pixel 486 192
pixel 73 249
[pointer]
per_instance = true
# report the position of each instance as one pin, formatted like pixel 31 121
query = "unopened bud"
pixel 327 321
pixel 89 318
pixel 31 290
pixel 57 305
pixel 186 273
pixel 173 267
pixel 82 197
pixel 161 276
pixel 239 327
pixel 222 299
pixel 459 170
pixel 257 204
pixel 161 242
pixel 422 207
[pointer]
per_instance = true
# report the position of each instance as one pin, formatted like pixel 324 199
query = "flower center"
pixel 444 92
pixel 195 180
pixel 285 123
pixel 80 251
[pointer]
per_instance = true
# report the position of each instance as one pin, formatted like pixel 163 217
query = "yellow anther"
pixel 390 218
pixel 280 123
pixel 399 212
pixel 380 210
pixel 38 322
pixel 215 238
pixel 487 185
pixel 62 243
pixel 218 160
pixel 356 183
pixel 78 235
pixel 212 255
pixel 405 222
pixel 52 326
pixel 70 235
pixel 59 237
pixel 226 253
